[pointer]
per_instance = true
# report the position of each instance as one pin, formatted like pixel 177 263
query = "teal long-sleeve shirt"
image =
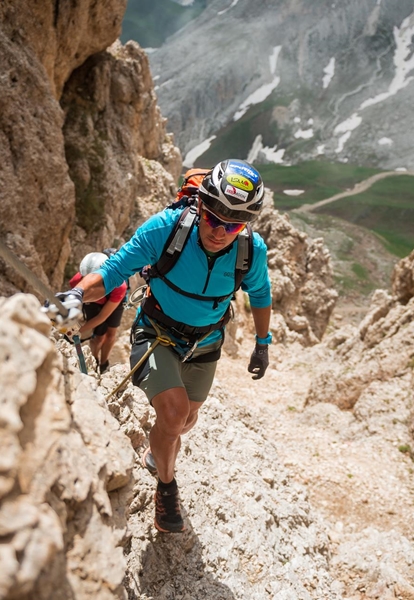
pixel 194 272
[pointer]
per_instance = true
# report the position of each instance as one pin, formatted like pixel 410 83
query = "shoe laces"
pixel 167 504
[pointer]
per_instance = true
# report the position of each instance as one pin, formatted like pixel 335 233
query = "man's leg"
pixel 95 345
pixel 175 415
pixel 172 408
pixel 108 343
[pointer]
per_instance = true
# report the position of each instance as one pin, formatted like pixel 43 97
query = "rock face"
pixel 110 162
pixel 72 175
pixel 329 79
pixel 114 140
pixel 379 350
pixel 65 469
pixel 302 279
pixel 69 479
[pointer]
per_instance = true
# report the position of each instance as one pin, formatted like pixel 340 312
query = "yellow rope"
pixel 164 340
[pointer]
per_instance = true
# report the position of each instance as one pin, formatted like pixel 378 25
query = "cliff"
pixel 286 80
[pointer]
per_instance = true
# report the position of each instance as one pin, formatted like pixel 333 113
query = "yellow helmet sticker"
pixel 240 182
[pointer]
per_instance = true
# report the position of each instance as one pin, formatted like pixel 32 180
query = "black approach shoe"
pixel 104 367
pixel 167 510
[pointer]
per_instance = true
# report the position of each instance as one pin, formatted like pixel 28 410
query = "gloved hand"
pixel 259 361
pixel 72 301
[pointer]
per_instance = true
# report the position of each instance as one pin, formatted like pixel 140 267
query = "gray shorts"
pixel 164 370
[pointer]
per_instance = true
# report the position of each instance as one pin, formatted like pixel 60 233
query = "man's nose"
pixel 219 231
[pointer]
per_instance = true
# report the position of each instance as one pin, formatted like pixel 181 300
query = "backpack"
pixel 186 199
pixel 191 182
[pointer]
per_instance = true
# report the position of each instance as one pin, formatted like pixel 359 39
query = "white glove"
pixel 72 301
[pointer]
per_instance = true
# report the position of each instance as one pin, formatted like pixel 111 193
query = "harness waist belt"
pixel 150 308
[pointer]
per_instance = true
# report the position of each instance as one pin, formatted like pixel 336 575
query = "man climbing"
pixel 103 315
pixel 188 309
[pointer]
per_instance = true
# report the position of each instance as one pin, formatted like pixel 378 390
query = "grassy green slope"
pixel 150 22
pixel 387 208
pixel 319 179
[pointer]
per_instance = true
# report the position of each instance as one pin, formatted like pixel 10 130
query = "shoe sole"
pixel 144 463
pixel 161 530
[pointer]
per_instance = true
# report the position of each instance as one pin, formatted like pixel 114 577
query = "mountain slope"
pixel 332 79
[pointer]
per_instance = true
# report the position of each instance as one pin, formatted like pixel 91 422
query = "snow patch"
pixel 348 125
pixel 297 120
pixel 197 151
pixel 273 59
pixel 403 61
pixel 304 134
pixel 293 192
pixel 263 92
pixel 329 71
pixel 342 141
pixel 384 141
pixel 157 87
pixel 403 169
pixel 271 154
pixel 256 98
pixel 320 149
pixel 221 12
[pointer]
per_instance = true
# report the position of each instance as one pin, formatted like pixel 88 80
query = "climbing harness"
pixel 160 339
pixel 164 340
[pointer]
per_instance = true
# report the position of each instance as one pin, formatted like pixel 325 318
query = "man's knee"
pixel 191 421
pixel 173 411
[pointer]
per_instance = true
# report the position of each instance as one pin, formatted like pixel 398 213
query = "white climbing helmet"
pixel 91 262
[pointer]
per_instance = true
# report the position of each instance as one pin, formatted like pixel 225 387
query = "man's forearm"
pixel 93 287
pixel 261 318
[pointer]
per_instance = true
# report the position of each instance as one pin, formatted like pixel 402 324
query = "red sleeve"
pixel 75 280
pixel 118 293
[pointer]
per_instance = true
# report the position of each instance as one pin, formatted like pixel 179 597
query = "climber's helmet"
pixel 91 262
pixel 233 189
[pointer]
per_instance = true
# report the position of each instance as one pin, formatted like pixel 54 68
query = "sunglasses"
pixel 213 221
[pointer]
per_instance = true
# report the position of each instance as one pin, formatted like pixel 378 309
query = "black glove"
pixel 259 361
pixel 72 301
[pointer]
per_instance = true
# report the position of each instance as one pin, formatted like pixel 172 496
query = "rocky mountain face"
pixel 289 80
pixel 110 162
pixel 85 157
pixel 82 136
pixel 76 512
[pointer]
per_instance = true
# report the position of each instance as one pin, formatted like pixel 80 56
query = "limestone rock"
pixel 381 349
pixel 301 273
pixel 65 469
pixel 72 179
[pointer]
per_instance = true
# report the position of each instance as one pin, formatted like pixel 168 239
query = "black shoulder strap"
pixel 175 242
pixel 244 255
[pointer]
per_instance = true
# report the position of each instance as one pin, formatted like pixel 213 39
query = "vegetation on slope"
pixel 151 22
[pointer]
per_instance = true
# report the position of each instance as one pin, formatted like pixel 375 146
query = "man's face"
pixel 216 232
